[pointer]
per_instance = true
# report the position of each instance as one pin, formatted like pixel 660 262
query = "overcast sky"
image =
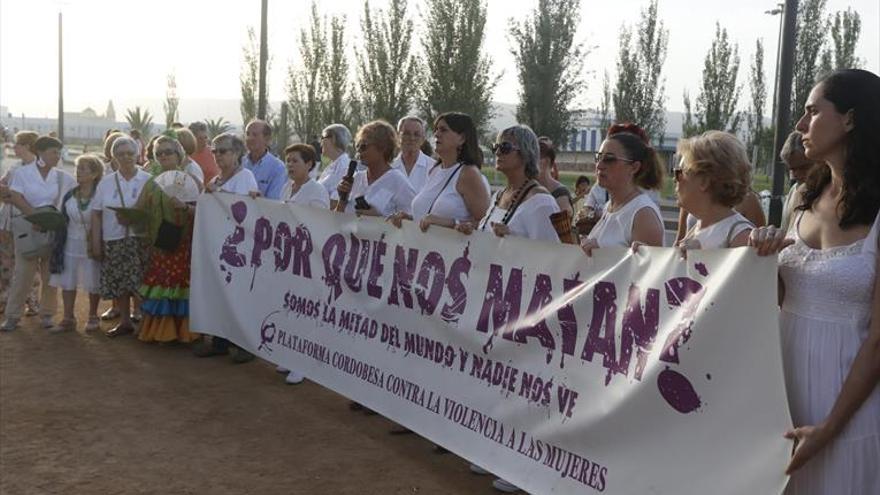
pixel 124 49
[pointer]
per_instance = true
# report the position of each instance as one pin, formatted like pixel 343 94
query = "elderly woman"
pixel 188 142
pixel 523 208
pixel 335 140
pixel 234 178
pixel 712 178
pixel 35 185
pixel 109 163
pixel 546 178
pixel 456 190
pixel 115 240
pixel 626 166
pixel 165 288
pixel 830 292
pixel 411 160
pixel 24 151
pixel 379 190
pixel 72 267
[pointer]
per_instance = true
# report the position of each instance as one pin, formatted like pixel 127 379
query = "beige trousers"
pixel 22 280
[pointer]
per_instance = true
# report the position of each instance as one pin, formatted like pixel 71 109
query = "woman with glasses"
pixel 830 292
pixel 35 185
pixel 165 289
pixel 456 190
pixel 379 190
pixel 117 242
pixel 712 178
pixel 626 165
pixel 335 140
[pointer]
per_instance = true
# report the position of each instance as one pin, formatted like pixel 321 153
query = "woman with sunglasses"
pixel 712 178
pixel 829 290
pixel 523 208
pixel 455 190
pixel 165 289
pixel 626 165
pixel 379 190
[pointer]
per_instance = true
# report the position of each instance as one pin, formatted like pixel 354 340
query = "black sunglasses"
pixel 611 158
pixel 503 148
pixel 678 172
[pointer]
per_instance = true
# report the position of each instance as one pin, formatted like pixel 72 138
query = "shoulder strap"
pixel 121 197
pixel 730 233
pixel 513 208
pixel 448 180
pixel 58 194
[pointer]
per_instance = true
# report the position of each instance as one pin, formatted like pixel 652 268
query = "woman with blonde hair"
pixel 71 265
pixel 712 178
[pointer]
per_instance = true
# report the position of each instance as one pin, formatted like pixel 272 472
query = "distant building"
pixel 85 126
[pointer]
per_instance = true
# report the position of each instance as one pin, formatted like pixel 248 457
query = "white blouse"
pixel 107 195
pixel 243 183
pixel 719 234
pixel 447 202
pixel 310 194
pixel 388 194
pixel 531 219
pixel 418 176
pixel 334 173
pixel 614 229
pixel 38 191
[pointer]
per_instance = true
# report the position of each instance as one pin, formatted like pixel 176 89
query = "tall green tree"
pixel 249 78
pixel 141 120
pixel 172 102
pixel 846 27
pixel 605 108
pixel 756 142
pixel 639 89
pixel 811 28
pixel 386 68
pixel 549 64
pixel 304 79
pixel 456 74
pixel 719 92
pixel 336 88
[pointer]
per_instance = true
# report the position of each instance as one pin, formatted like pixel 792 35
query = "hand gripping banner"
pixel 624 373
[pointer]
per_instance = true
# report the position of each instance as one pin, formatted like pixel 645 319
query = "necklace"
pixel 82 203
pixel 518 197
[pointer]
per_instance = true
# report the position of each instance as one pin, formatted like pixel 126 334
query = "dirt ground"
pixel 85 414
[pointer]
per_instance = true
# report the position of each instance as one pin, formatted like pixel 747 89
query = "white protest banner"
pixel 622 374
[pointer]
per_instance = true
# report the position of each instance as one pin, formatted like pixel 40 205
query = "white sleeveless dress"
pixel 719 234
pixel 824 321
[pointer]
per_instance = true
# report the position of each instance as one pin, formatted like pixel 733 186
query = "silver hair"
pixel 412 118
pixel 525 139
pixel 341 135
pixel 794 142
pixel 234 141
pixel 198 127
pixel 123 141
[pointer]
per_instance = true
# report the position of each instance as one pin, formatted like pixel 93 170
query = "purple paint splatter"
pixel 701 268
pixel 678 392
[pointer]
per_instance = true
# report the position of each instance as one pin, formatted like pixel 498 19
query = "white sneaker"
pixel 294 378
pixel 478 470
pixel 281 369
pixel 9 325
pixel 505 486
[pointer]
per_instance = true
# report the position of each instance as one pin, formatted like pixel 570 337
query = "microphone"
pixel 349 177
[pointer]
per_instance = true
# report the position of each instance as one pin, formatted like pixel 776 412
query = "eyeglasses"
pixel 220 151
pixel 160 153
pixel 326 136
pixel 611 158
pixel 504 148
pixel 411 135
pixel 678 172
pixel 123 153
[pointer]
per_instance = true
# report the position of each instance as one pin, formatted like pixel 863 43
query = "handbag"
pixel 170 234
pixel 30 243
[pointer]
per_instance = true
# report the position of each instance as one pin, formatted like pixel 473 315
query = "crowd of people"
pixel 125 239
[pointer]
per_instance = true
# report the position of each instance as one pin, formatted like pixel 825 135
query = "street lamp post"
pixel 60 84
pixel 779 10
pixel 261 105
pixel 783 106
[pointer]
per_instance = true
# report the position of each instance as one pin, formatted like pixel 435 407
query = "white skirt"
pixel 80 271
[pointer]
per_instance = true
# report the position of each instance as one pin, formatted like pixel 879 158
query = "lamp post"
pixel 779 10
pixel 261 105
pixel 783 105
pixel 60 84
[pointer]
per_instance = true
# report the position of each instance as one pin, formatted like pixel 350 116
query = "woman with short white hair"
pixel 335 140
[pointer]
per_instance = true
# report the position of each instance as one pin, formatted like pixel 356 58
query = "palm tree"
pixel 140 120
pixel 217 126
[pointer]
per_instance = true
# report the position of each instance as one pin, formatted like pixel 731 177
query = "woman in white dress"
pixel 626 166
pixel 77 269
pixel 712 178
pixel 335 140
pixel 523 208
pixel 455 190
pixel 379 190
pixel 301 189
pixel 830 292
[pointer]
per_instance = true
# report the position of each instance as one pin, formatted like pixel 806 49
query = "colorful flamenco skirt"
pixel 165 293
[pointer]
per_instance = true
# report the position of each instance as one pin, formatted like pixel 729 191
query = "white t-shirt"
pixel 107 195
pixel 719 234
pixel 531 219
pixel 614 229
pixel 388 194
pixel 419 173
pixel 243 182
pixel 596 198
pixel 310 194
pixel 37 191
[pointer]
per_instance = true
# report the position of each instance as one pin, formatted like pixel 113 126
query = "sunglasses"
pixel 678 173
pixel 165 152
pixel 611 158
pixel 220 151
pixel 504 148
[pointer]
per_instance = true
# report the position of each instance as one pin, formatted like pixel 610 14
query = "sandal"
pixel 93 324
pixel 65 325
pixel 110 314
